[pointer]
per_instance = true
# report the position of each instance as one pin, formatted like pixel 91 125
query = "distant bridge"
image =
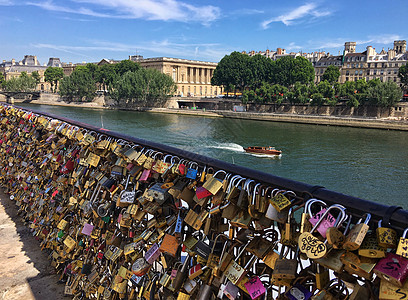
pixel 26 95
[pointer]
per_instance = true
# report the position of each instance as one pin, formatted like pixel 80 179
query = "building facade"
pixel 353 65
pixel 29 64
pixel 193 78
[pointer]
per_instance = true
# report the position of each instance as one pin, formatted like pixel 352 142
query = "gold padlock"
pixel 357 234
pixel 387 237
pixel 402 249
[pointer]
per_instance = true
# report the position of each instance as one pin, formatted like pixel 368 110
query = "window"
pixel 356 72
pixel 347 73
pixel 174 74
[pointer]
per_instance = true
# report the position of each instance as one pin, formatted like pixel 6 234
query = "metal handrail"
pixel 396 216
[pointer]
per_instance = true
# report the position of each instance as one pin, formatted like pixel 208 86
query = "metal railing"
pixel 394 215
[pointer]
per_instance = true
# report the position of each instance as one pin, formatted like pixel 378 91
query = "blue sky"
pixel 89 30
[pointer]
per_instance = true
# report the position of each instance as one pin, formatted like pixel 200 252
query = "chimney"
pixel 279 51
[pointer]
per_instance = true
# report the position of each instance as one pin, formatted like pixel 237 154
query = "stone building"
pixel 29 64
pixel 193 78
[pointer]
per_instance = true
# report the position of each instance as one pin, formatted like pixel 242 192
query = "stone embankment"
pixel 348 121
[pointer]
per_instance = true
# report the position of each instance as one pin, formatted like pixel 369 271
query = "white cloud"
pixel 210 52
pixel 6 2
pixel 293 46
pixel 164 10
pixel 306 10
pixel 385 38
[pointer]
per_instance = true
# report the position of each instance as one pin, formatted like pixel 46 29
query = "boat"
pixel 263 150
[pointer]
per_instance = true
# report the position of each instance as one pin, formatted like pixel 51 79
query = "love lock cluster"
pixel 123 221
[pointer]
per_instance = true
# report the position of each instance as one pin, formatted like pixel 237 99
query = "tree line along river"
pixel 367 163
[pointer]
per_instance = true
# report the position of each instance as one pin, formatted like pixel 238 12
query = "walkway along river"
pixel 367 163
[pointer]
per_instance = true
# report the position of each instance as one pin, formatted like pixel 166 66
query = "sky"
pixel 206 30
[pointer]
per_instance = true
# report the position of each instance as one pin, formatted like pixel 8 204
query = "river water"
pixel 366 163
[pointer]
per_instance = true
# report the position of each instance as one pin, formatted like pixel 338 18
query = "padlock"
pixel 322 277
pixel 311 245
pixel 361 266
pixel 402 249
pixel 213 258
pixel 234 271
pixel 389 291
pixel 305 225
pixel 357 234
pixel 280 200
pixel 370 248
pixel 214 184
pixel 182 273
pixel 392 268
pixel 335 237
pixel 271 212
pixel 140 267
pixel 387 237
pixel 255 287
pixel 285 269
pixel 334 290
pixel 230 291
pixel 327 222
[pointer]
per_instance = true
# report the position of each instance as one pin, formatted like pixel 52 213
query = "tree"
pixel 36 77
pixel 2 79
pixel 145 87
pixel 385 94
pixel 403 75
pixel 261 69
pixel 288 70
pixel 125 66
pixel 331 74
pixel 23 83
pixel 106 76
pixel 53 75
pixel 233 70
pixel 79 86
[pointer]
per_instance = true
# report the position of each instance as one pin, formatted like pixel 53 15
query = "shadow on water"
pixel 26 271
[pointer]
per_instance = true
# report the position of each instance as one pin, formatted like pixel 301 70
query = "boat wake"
pixel 266 155
pixel 228 146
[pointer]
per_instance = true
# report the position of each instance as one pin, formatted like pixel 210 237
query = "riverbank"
pixel 374 123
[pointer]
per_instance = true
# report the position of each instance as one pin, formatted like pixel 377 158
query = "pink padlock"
pixel 145 175
pixel 255 287
pixel 393 268
pixel 325 224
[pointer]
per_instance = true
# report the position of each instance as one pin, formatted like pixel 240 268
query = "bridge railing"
pixel 394 215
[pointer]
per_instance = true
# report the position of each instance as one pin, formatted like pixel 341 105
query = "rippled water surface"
pixel 366 163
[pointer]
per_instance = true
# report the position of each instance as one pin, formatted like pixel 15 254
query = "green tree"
pixel 106 76
pixel 147 87
pixel 403 75
pixel 288 70
pixel 36 77
pixel 326 89
pixel 2 79
pixel 233 70
pixel 125 66
pixel 53 75
pixel 385 94
pixel 261 70
pixel 331 74
pixel 79 86
pixel 23 83
pixel 300 93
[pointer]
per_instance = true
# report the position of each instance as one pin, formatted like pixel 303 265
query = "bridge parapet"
pixel 98 196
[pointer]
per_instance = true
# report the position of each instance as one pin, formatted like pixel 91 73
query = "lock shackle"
pixel 334 206
pixel 157 153
pixel 310 202
pixel 191 164
pixel 257 186
pixel 247 186
pixel 232 181
pixel 219 172
pixel 404 234
pixel 366 216
pixel 221 235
